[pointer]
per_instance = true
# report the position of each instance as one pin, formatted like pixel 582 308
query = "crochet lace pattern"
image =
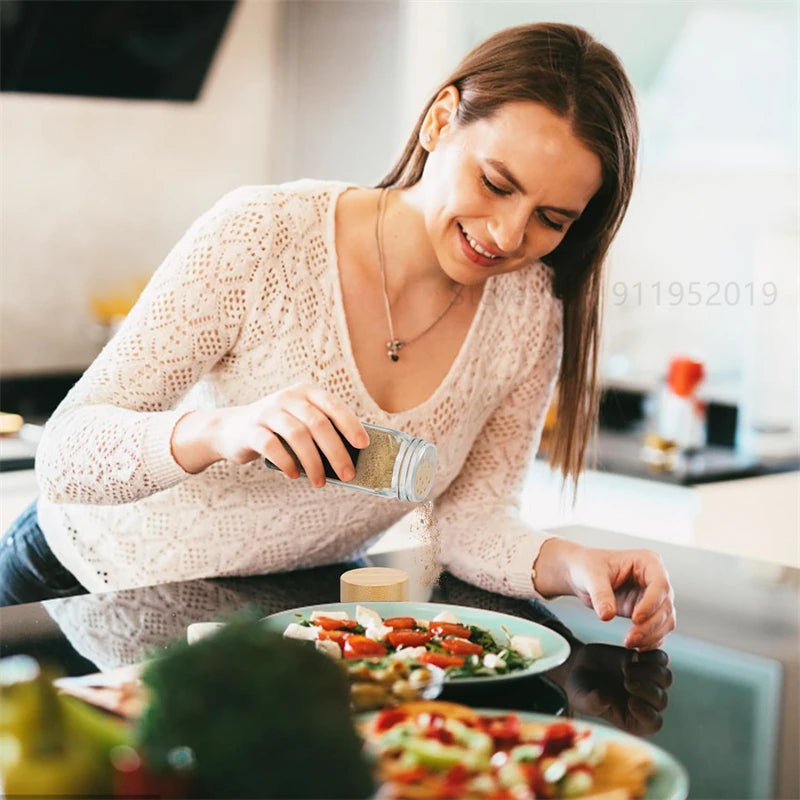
pixel 249 302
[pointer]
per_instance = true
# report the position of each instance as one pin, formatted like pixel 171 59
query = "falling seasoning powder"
pixel 393 464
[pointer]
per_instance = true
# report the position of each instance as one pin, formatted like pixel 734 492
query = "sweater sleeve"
pixel 109 440
pixel 482 538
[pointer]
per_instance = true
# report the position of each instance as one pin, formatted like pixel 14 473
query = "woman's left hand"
pixel 624 687
pixel 628 583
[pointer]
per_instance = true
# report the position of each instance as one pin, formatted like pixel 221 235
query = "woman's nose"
pixel 508 231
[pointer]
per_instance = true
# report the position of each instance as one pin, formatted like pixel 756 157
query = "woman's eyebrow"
pixel 564 211
pixel 506 173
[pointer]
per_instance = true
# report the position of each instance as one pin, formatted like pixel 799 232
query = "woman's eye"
pixel 493 188
pixel 556 226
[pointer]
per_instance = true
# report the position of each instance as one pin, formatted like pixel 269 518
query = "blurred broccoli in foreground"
pixel 251 714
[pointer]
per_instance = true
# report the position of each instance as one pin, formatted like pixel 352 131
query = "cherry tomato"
pixel 535 778
pixel 450 629
pixel 388 718
pixel 461 647
pixel 330 624
pixel 410 775
pixel 442 660
pixel 340 637
pixel 559 736
pixel 504 730
pixel 408 638
pixel 400 622
pixel 454 783
pixel 356 646
pixel 502 794
pixel 441 735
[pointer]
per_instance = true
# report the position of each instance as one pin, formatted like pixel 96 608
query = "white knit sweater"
pixel 249 302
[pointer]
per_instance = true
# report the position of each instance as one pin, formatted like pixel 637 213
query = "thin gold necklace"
pixel 394 345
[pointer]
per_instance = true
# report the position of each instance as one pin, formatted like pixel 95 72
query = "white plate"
pixel 555 646
pixel 669 781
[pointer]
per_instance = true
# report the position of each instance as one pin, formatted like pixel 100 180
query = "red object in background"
pixel 684 375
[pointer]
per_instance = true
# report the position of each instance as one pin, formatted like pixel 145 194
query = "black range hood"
pixel 132 49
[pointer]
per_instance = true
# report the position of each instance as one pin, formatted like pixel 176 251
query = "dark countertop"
pixel 618 452
pixel 723 708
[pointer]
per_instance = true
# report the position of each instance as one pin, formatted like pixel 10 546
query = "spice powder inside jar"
pixel 393 464
pixel 375 464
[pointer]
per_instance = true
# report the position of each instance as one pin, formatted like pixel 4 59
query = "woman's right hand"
pixel 303 415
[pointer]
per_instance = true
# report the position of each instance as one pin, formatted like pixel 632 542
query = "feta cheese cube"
pixel 528 646
pixel 296 631
pixel 378 633
pixel 368 618
pixel 493 661
pixel 408 653
pixel 445 616
pixel 329 647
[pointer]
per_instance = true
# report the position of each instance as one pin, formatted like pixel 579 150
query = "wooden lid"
pixel 373 583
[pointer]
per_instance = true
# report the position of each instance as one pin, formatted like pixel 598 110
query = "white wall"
pixel 339 77
pixel 96 191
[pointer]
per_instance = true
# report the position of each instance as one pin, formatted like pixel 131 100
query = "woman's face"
pixel 500 193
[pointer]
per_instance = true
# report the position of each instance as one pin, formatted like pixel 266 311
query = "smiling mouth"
pixel 476 245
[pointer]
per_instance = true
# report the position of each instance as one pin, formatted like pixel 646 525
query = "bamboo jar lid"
pixel 373 583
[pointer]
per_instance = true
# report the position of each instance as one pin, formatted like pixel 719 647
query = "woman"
pixel 447 303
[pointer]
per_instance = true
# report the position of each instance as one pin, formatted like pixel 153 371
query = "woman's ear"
pixel 441 117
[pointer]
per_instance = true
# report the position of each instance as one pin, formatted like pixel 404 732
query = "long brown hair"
pixel 565 69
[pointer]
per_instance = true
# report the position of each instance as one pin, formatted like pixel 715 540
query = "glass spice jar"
pixel 393 464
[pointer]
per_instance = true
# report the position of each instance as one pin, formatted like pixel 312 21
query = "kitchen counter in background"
pixel 727 503
pixel 621 435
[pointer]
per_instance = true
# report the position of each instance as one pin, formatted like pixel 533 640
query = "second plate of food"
pixel 439 749
pixel 470 644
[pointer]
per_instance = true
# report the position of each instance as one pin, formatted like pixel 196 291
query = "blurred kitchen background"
pixel 123 121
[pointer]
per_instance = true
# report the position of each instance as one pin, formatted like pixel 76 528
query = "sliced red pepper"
pixel 356 646
pixel 450 629
pixel 331 624
pixel 340 637
pixel 505 731
pixel 405 638
pixel 535 778
pixel 558 736
pixel 388 718
pixel 501 793
pixel 400 622
pixel 442 660
pixel 412 775
pixel 441 735
pixel 461 647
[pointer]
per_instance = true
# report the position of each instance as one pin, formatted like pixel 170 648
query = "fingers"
pixel 324 437
pixel 267 444
pixel 648 667
pixel 651 633
pixel 597 587
pixel 303 420
pixel 643 718
pixel 657 589
pixel 295 435
pixel 647 691
pixel 342 417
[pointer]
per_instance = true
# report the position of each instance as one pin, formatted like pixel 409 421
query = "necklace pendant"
pixel 393 349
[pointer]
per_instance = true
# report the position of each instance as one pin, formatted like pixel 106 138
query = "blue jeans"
pixel 29 572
